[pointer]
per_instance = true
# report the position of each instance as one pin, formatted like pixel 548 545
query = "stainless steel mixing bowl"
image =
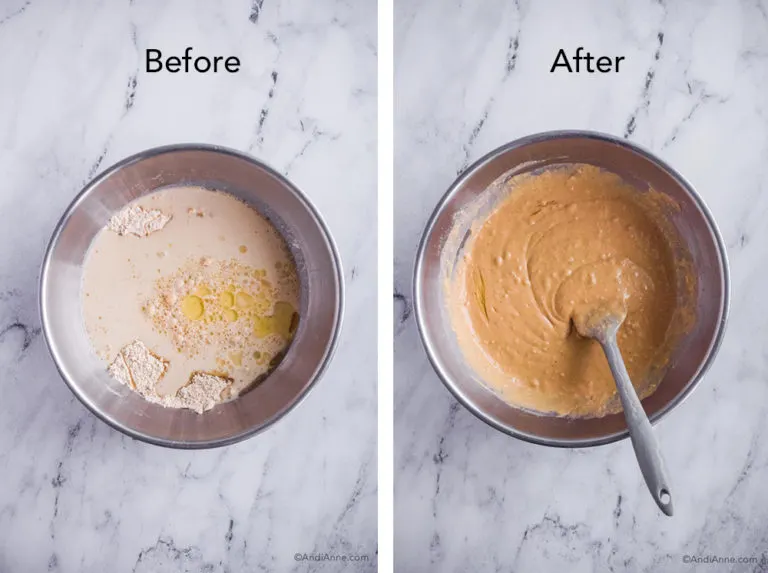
pixel 275 197
pixel 472 191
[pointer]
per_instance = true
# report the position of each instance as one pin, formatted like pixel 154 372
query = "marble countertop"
pixel 694 89
pixel 74 98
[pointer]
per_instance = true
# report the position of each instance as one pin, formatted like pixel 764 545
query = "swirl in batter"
pixel 564 242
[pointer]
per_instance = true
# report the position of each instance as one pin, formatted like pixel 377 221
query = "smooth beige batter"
pixel 215 290
pixel 564 242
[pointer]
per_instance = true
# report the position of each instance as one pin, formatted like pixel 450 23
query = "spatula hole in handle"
pixel 665 502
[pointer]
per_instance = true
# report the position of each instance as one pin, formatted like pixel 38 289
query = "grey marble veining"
pixel 74 98
pixel 693 88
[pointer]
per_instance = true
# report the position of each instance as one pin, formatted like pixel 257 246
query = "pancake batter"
pixel 564 242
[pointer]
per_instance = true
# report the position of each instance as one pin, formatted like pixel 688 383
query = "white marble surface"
pixel 78 496
pixel 473 75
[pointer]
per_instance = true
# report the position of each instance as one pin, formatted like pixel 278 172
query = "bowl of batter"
pixel 191 296
pixel 546 229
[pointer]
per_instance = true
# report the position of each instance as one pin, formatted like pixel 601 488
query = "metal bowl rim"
pixel 207 148
pixel 462 178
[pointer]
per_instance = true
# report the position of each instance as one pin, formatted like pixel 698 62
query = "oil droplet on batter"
pixel 262 326
pixel 192 307
pixel 226 299
pixel 244 300
pixel 236 358
pixel 242 249
pixel 284 321
pixel 283 317
pixel 230 315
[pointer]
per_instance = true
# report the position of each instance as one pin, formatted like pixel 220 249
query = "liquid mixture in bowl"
pixel 189 296
pixel 566 241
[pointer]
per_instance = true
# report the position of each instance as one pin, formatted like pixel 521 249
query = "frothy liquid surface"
pixel 216 290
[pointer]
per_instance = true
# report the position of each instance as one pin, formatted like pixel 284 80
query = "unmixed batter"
pixel 189 295
pixel 564 242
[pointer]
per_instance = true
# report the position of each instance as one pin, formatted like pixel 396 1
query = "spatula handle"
pixel 644 441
